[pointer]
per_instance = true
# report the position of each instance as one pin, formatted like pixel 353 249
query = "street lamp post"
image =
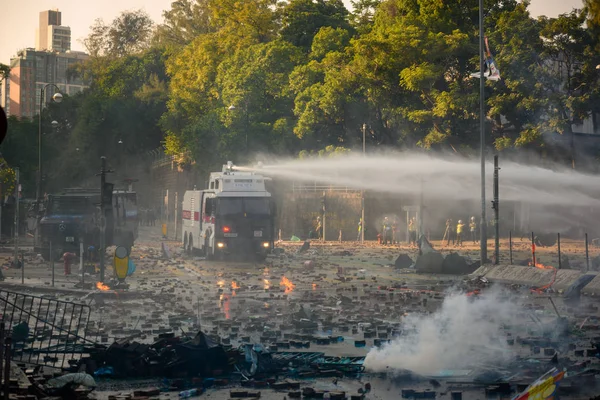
pixel 57 97
pixel 362 211
pixel 483 222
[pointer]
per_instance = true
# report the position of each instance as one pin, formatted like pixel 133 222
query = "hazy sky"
pixel 20 18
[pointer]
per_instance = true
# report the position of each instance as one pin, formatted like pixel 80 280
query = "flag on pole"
pixel 494 72
pixel 490 70
pixel 544 388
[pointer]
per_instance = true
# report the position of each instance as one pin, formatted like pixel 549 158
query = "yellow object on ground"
pixel 121 262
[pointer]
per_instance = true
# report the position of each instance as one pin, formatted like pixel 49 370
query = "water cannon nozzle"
pixel 229 167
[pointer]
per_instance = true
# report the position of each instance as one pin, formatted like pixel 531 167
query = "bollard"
pixel 533 249
pixel 340 236
pixel 81 253
pixel 559 256
pixel 52 263
pixel 7 345
pixel 587 254
pixel 2 333
pixel 510 246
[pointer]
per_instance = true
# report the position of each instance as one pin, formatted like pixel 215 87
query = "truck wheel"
pixel 208 254
pixel 190 249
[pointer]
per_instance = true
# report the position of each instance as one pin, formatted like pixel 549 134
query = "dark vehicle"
pixel 73 217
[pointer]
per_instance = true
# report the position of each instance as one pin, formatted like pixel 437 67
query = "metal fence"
pixel 552 240
pixel 44 331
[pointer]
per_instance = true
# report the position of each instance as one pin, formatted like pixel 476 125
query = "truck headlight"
pixel 266 245
pixel 220 245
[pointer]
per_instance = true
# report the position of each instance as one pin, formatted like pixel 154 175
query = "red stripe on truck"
pixel 187 214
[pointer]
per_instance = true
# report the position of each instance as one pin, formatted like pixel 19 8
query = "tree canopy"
pixel 228 79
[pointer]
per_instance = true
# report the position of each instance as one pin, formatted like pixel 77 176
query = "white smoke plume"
pixel 464 333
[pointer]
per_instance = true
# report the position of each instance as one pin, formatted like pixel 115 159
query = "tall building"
pixel 4 88
pixel 31 70
pixel 50 62
pixel 51 35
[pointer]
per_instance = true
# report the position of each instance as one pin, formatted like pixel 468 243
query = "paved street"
pixel 346 288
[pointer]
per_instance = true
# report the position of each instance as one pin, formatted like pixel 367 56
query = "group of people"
pixel 389 231
pixel 457 234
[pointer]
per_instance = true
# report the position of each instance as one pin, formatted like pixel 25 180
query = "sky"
pixel 20 18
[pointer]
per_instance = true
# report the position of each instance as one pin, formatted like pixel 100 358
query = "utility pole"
pixel 496 206
pixel 57 97
pixel 17 217
pixel 483 223
pixel 102 250
pixel 421 210
pixel 362 217
pixel 421 232
pixel 324 217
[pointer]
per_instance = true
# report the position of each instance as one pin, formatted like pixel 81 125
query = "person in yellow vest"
pixel 459 231
pixel 473 229
pixel 412 231
pixel 319 228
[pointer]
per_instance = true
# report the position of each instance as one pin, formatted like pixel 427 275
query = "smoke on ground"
pixel 464 333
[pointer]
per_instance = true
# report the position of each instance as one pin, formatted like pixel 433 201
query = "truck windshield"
pixel 237 205
pixel 70 206
pixel 231 206
pixel 257 206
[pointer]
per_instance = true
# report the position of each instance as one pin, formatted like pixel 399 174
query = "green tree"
pixel 363 14
pixel 593 10
pixel 240 23
pixel 96 42
pixel 516 104
pixel 186 20
pixel 254 81
pixel 568 75
pixel 302 19
pixel 130 32
pixel 123 104
pixel 4 71
pixel 19 149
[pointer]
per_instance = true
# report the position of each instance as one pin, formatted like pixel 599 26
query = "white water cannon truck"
pixel 235 215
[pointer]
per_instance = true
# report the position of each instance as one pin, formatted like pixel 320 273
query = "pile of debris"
pixel 168 356
pixel 432 261
pixel 36 383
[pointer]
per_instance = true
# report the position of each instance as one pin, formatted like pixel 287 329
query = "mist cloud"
pixel 442 178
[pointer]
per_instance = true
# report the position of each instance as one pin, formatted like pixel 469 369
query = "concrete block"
pixel 529 276
pixel 403 261
pixel 430 263
pixel 592 288
pixel 455 264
